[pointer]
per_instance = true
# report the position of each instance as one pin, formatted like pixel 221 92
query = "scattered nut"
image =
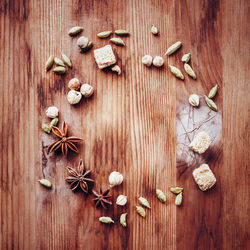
pixel 147 60
pixel 87 90
pixel 117 69
pixel 82 42
pixel 74 84
pixel 52 112
pixel 194 100
pixel 74 97
pixel 158 61
pixel 115 178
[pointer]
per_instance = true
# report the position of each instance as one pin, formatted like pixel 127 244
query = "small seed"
pixel 154 30
pixel 176 72
pixel 189 70
pixel 186 58
pixel 46 128
pixel 75 30
pixel 58 62
pixel 66 60
pixel 45 183
pixel 213 92
pixel 123 219
pixel 173 48
pixel 106 220
pixel 117 41
pixel 59 70
pixel 88 47
pixel 141 211
pixel 178 199
pixel 211 104
pixel 104 34
pixel 161 196
pixel 144 202
pixel 122 32
pixel 49 63
pixel 54 122
pixel 176 190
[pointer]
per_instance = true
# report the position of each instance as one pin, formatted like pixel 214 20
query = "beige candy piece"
pixel 204 177
pixel 104 56
pixel 200 143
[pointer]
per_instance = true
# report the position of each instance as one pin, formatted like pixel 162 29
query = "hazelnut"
pixel 74 97
pixel 147 60
pixel 52 112
pixel 87 90
pixel 82 42
pixel 74 84
pixel 158 61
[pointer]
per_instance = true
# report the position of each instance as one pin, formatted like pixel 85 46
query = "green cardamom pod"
pixel 141 211
pixel 144 202
pixel 59 70
pixel 122 32
pixel 75 30
pixel 88 47
pixel 176 72
pixel 161 196
pixel 186 58
pixel 213 92
pixel 49 63
pixel 117 41
pixel 58 62
pixel 45 183
pixel 46 128
pixel 176 190
pixel 211 104
pixel 104 34
pixel 54 122
pixel 178 199
pixel 123 219
pixel 66 60
pixel 106 220
pixel 173 48
pixel 189 71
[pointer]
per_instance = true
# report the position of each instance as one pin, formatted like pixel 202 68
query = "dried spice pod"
pixel 66 60
pixel 106 220
pixel 178 199
pixel 213 92
pixel 173 48
pixel 53 122
pixel 59 62
pixel 102 198
pixel 211 104
pixel 117 41
pixel 46 128
pixel 186 58
pixel 123 218
pixel 141 211
pixel 176 190
pixel 46 183
pixel 189 71
pixel 161 196
pixel 88 47
pixel 122 32
pixel 49 63
pixel 176 72
pixel 143 201
pixel 59 70
pixel 121 200
pixel 104 34
pixel 75 30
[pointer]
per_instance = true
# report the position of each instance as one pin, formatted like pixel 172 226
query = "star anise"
pixel 79 178
pixel 102 198
pixel 64 142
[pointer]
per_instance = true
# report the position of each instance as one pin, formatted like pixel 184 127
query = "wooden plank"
pixel 129 125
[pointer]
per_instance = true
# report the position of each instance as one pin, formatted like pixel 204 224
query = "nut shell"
pixel 74 84
pixel 74 97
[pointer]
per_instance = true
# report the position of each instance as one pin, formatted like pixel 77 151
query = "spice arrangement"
pixel 80 178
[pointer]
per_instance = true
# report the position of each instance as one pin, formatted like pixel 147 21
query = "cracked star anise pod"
pixel 79 178
pixel 64 143
pixel 102 198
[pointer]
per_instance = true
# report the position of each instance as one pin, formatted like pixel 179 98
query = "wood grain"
pixel 131 125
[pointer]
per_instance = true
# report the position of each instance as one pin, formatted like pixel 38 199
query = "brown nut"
pixel 82 42
pixel 87 90
pixel 74 84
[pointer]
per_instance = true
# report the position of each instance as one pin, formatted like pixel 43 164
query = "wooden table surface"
pixel 138 123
